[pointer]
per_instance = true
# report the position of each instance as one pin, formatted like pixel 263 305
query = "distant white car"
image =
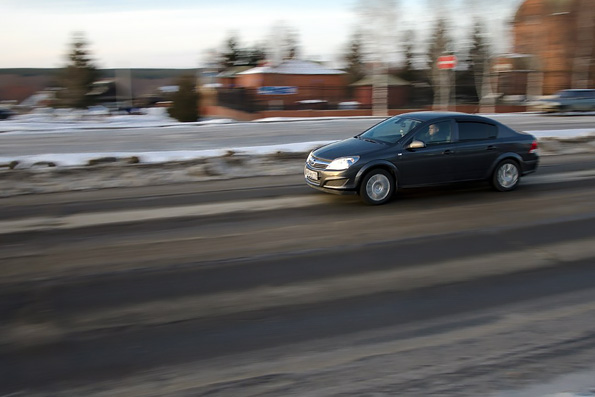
pixel 568 101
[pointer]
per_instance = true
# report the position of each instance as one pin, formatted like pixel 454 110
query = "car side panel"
pixel 474 159
pixel 426 166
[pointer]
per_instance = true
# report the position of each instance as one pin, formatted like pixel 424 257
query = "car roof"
pixel 578 90
pixel 427 116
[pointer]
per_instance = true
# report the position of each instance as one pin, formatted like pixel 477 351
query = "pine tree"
pixel 354 58
pixel 478 57
pixel 77 76
pixel 408 73
pixel 232 53
pixel 255 55
pixel 283 43
pixel 185 100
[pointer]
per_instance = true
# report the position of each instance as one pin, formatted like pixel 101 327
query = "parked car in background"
pixel 568 101
pixel 5 113
pixel 421 149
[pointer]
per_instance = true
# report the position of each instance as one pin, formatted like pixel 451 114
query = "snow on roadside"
pixel 63 120
pixel 563 134
pixel 156 157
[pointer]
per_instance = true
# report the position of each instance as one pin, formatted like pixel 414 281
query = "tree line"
pixel 371 42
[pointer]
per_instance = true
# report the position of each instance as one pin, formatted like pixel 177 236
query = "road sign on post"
pixel 447 62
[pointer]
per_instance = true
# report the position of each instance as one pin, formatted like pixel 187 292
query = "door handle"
pixel 491 147
pixel 447 151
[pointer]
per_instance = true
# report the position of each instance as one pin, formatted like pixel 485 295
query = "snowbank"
pixel 85 159
pixel 47 120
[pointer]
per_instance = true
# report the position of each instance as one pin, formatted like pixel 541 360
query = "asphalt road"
pixel 218 136
pixel 275 289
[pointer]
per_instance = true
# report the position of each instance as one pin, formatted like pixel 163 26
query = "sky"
pixel 184 33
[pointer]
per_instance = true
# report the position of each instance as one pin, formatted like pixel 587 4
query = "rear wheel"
pixel 377 187
pixel 506 176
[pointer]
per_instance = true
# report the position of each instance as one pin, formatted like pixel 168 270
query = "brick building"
pixel 399 92
pixel 293 82
pixel 560 35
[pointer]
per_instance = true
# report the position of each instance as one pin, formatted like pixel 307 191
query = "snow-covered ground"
pixel 156 157
pixel 48 121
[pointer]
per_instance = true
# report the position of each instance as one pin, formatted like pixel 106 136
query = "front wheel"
pixel 506 176
pixel 377 187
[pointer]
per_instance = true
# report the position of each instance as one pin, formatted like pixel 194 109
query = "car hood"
pixel 348 147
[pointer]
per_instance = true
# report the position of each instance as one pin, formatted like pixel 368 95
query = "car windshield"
pixel 576 94
pixel 390 130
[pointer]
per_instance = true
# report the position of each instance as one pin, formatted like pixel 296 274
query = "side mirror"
pixel 416 145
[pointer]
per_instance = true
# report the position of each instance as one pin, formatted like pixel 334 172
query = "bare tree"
pixel 283 43
pixel 584 43
pixel 378 21
pixel 479 62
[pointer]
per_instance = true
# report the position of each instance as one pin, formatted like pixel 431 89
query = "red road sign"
pixel 447 62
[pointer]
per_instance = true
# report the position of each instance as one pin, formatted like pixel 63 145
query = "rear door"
pixel 476 149
pixel 581 101
pixel 590 100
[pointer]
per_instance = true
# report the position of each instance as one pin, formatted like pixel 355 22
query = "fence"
pixel 313 97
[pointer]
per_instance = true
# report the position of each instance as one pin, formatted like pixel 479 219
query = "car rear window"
pixel 474 131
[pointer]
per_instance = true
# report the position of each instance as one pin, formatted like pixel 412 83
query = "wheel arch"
pixel 505 156
pixel 380 164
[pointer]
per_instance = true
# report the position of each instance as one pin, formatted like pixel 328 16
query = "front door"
pixel 432 164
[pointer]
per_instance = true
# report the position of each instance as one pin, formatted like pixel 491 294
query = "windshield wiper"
pixel 369 140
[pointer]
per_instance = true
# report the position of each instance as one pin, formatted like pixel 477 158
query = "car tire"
pixel 377 187
pixel 506 176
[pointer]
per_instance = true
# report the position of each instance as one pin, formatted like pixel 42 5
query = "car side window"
pixel 435 133
pixel 391 130
pixel 474 131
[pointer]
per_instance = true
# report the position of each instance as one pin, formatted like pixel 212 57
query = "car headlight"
pixel 342 163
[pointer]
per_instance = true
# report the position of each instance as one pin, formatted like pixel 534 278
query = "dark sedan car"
pixel 421 149
pixel 5 114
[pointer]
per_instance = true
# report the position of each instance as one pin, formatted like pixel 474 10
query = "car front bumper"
pixel 337 182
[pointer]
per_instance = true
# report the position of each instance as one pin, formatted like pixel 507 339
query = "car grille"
pixel 336 183
pixel 318 163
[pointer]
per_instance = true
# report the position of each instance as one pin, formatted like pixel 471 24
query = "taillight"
pixel 533 147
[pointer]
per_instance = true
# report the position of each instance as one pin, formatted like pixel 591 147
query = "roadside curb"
pixel 65 222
